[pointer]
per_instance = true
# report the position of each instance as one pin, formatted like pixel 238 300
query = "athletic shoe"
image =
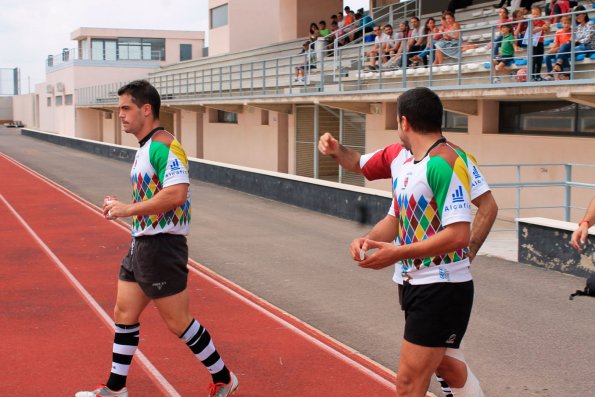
pixel 103 391
pixel 222 389
pixel 497 80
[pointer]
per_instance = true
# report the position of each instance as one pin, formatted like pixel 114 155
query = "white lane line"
pixel 232 291
pixel 165 385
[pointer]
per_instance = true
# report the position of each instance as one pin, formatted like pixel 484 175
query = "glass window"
pixel 49 101
pixel 227 117
pixel 454 122
pixel 219 16
pixel 185 52
pixel 59 100
pixel 137 48
pixel 68 99
pixel 154 49
pixel 547 118
pixel 103 50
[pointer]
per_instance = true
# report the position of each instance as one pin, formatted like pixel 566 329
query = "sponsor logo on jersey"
pixel 451 339
pixel 457 196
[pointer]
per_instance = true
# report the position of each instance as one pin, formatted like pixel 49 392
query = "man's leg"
pixel 130 303
pixel 175 312
pixel 459 376
pixel 416 366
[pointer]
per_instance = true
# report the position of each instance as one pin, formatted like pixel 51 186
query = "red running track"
pixel 59 266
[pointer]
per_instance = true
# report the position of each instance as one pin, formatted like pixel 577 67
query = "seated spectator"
pixel 449 43
pixel 584 32
pixel 324 31
pixel 314 32
pixel 366 22
pixel 375 53
pixel 503 14
pixel 431 33
pixel 404 36
pixel 563 36
pixel 341 24
pixel 349 20
pixel 506 55
pixel 392 44
pixel 557 7
pixel 309 63
pixel 520 28
pixel 417 42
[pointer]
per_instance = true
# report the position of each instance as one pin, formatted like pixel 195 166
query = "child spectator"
pixel 503 14
pixel 324 31
pixel 507 49
pixel 540 28
pixel 314 32
pixel 520 28
pixel 557 7
pixel 563 36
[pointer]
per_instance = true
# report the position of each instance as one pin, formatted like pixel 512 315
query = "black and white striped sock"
pixel 199 341
pixel 125 344
pixel 444 386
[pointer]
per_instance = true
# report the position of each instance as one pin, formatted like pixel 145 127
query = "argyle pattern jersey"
pixel 159 163
pixel 427 196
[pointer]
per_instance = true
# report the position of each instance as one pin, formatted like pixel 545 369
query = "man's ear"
pixel 404 123
pixel 147 110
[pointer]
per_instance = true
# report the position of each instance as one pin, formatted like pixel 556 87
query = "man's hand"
pixel 579 237
pixel 387 255
pixel 116 209
pixel 328 145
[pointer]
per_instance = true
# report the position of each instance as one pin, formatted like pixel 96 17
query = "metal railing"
pixel 71 55
pixel 472 68
pixel 567 185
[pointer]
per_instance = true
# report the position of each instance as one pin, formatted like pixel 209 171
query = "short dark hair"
pixel 422 108
pixel 414 17
pixel 142 92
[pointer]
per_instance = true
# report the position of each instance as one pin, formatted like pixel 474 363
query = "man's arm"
pixel 487 210
pixel 579 237
pixel 347 158
pixel 165 200
pixel 385 230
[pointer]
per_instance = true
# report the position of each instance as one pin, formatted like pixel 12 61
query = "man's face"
pixel 377 31
pixel 414 23
pixel 388 30
pixel 130 115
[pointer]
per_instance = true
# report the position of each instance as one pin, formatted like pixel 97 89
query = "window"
pixel 185 52
pixel 137 48
pixel 68 99
pixel 454 122
pixel 59 100
pixel 227 117
pixel 49 101
pixel 547 118
pixel 103 50
pixel 218 16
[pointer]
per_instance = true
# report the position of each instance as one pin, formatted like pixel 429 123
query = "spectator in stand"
pixel 557 7
pixel 356 32
pixel 353 19
pixel 310 62
pixel 324 31
pixel 349 20
pixel 503 14
pixel 393 42
pixel 341 25
pixel 417 42
pixel 584 32
pixel 431 31
pixel 540 29
pixel 334 19
pixel 558 51
pixel 520 28
pixel 366 22
pixel 404 35
pixel 507 49
pixel 314 32
pixel 330 39
pixel 449 43
pixel 374 53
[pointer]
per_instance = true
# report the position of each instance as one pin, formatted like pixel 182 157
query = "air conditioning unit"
pixel 60 86
pixel 49 89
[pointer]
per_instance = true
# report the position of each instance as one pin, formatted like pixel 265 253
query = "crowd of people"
pixel 429 43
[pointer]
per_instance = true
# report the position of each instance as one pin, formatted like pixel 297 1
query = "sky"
pixel 30 30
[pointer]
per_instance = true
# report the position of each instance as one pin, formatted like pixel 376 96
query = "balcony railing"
pixel 71 56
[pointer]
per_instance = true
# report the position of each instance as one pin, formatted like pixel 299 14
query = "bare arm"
pixel 165 200
pixel 347 158
pixel 385 230
pixel 579 237
pixel 487 210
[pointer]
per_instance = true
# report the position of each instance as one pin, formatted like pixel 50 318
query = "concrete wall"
pixel 25 109
pixel 6 112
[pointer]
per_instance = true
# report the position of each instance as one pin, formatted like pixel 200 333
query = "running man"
pixel 154 268
pixel 425 127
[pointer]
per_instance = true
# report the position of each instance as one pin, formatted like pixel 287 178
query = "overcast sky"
pixel 30 30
